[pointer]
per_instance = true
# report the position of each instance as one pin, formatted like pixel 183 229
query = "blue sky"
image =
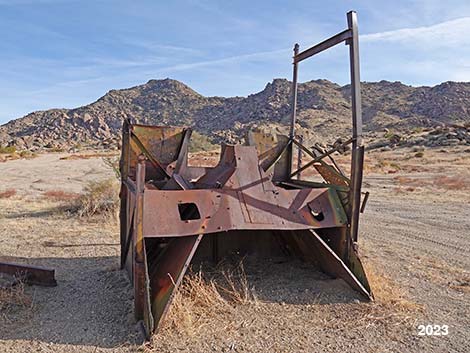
pixel 66 53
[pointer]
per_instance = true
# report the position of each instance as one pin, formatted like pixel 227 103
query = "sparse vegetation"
pixel 202 292
pixel 56 149
pixel 13 296
pixel 200 142
pixel 60 195
pixel 388 293
pixel 7 193
pixel 100 198
pixel 11 153
pixel 7 150
pixel 455 182
pixel 113 163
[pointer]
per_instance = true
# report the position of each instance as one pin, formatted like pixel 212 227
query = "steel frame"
pixel 173 214
pixel 351 37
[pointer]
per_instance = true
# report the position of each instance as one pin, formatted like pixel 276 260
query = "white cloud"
pixel 448 33
pixel 230 59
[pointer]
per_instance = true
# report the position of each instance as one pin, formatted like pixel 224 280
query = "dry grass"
pixel 387 293
pixel 88 156
pixel 112 162
pixel 203 296
pixel 60 195
pixel 10 153
pixel 7 193
pixel 13 296
pixel 99 199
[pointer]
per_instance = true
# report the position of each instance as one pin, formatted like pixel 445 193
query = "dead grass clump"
pixel 60 195
pixel 7 193
pixel 203 296
pixel 387 293
pixel 113 163
pixel 100 198
pixel 14 296
pixel 194 304
pixel 234 285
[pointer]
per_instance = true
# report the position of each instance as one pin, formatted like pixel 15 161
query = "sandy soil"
pixel 414 241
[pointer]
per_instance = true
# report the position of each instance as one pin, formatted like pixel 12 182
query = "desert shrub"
pixel 8 150
pixel 200 142
pixel 7 193
pixel 419 154
pixel 100 198
pixel 113 163
pixel 27 154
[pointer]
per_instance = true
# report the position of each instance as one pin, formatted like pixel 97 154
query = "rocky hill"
pixel 324 112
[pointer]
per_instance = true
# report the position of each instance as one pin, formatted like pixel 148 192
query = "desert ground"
pixel 414 241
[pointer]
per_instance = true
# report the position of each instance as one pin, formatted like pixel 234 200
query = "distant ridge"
pixel 323 112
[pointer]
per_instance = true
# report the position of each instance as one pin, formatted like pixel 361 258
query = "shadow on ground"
pixel 91 305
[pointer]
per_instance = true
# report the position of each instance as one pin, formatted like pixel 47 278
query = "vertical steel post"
pixel 293 112
pixel 299 157
pixel 357 157
pixel 138 243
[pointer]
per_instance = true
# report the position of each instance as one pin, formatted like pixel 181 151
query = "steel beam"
pixel 30 274
pixel 326 44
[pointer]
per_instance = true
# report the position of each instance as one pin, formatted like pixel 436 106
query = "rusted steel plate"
pixel 331 263
pixel 223 210
pixel 316 249
pixel 30 274
pixel 242 197
pixel 166 272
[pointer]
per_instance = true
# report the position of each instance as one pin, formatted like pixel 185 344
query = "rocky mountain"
pixel 323 112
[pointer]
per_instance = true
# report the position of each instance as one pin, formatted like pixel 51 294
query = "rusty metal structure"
pixel 252 201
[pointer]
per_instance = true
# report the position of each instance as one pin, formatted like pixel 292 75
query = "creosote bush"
pixel 100 198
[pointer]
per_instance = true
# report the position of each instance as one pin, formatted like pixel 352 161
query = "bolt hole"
pixel 319 216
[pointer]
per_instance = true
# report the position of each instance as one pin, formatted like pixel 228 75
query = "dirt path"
pixel 420 241
pixel 425 246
